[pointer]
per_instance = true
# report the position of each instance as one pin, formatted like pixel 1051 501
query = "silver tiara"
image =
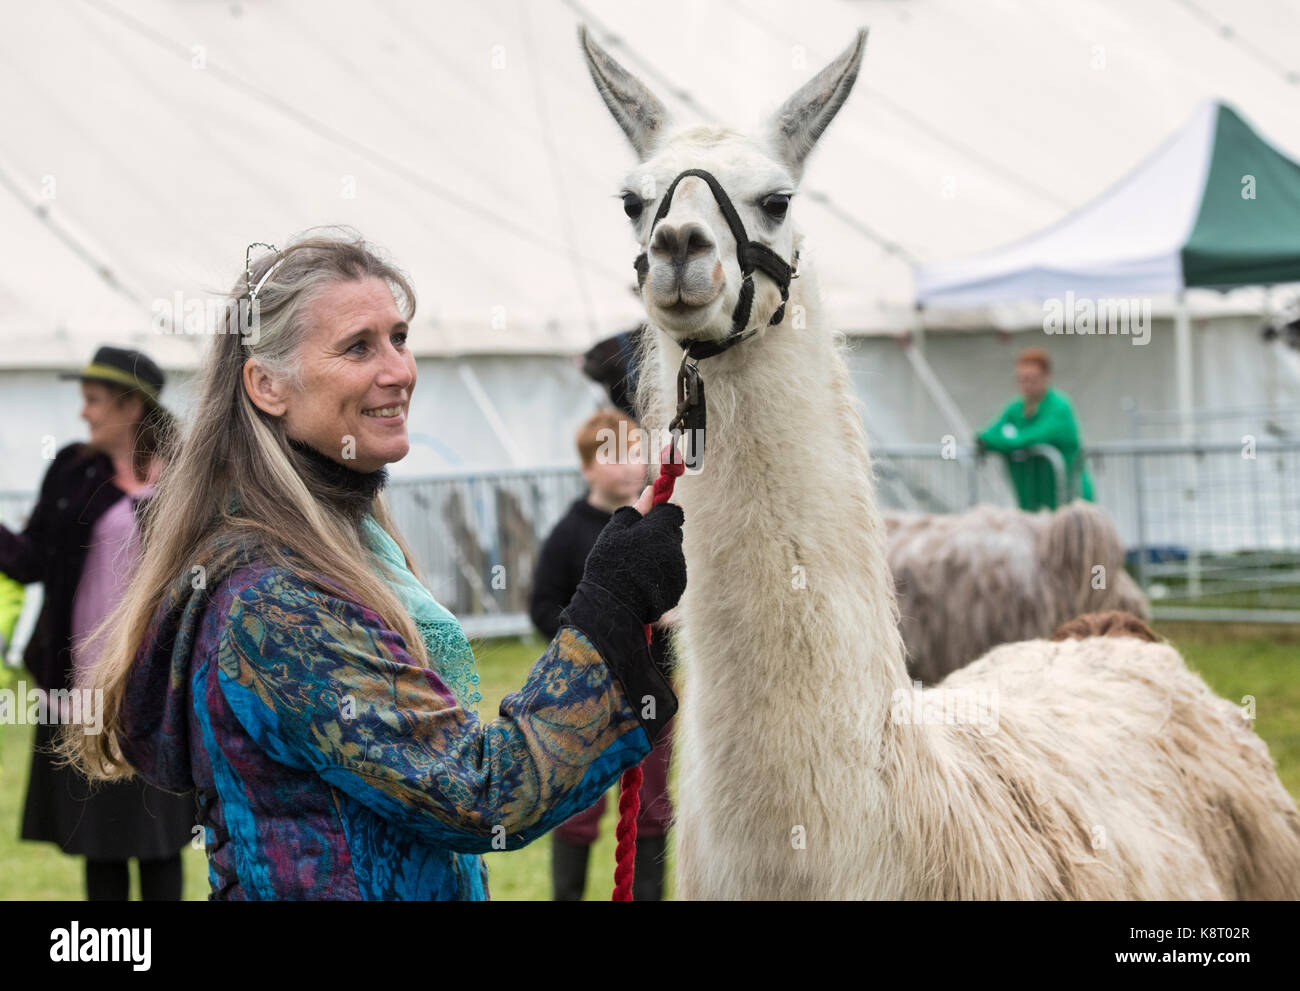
pixel 253 290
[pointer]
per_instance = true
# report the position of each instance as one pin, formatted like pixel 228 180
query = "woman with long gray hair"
pixel 278 654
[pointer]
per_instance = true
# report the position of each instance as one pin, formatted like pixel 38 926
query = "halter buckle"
pixel 688 385
pixel 690 418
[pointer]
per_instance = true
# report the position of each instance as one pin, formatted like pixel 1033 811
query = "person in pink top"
pixel 82 543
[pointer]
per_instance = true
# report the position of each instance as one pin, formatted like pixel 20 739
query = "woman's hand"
pixel 638 557
pixel 645 501
pixel 633 575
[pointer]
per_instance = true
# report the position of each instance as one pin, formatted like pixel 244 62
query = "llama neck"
pixel 788 587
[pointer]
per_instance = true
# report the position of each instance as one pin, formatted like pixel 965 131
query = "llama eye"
pixel 776 205
pixel 632 205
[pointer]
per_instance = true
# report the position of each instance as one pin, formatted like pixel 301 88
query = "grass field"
pixel 1241 660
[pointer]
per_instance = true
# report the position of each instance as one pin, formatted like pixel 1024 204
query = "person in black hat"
pixel 81 542
pixel 121 390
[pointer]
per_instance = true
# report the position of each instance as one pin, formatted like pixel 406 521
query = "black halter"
pixel 750 255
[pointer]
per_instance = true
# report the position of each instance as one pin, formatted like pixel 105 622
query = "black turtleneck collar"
pixel 351 491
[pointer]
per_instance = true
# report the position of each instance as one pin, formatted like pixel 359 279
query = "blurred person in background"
pixel 1039 416
pixel 12 594
pixel 82 543
pixel 611 482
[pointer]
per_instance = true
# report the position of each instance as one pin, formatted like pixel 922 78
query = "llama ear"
pixel 802 118
pixel 637 110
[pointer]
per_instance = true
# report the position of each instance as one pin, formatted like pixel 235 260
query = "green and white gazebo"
pixel 1216 206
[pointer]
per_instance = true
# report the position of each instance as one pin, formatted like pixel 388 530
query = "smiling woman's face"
pixel 357 377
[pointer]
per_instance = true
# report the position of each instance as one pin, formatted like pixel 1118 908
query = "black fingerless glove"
pixel 639 560
pixel 634 574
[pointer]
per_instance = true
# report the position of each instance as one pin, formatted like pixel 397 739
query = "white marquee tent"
pixel 147 143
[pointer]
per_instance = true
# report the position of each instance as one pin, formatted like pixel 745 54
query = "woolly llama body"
pixel 967 582
pixel 808 769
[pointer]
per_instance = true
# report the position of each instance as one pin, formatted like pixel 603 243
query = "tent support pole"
pixel 489 411
pixel 1183 365
pixel 940 396
pixel 917 331
pixel 1183 370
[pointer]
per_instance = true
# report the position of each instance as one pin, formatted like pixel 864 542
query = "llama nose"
pixel 683 243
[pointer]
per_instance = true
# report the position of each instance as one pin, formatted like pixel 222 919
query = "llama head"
pixel 692 279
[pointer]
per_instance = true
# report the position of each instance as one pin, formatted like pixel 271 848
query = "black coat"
pixel 77 490
pixel 120 819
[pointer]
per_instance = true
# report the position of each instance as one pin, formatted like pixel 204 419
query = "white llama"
pixel 1096 768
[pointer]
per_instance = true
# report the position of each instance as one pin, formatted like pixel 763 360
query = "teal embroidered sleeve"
pixel 320 683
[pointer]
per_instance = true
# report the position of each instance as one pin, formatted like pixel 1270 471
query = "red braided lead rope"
pixel 669 471
pixel 629 807
pixel 629 797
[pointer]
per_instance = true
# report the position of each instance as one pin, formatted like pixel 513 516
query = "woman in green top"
pixel 1040 416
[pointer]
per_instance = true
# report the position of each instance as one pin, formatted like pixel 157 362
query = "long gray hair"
pixel 233 487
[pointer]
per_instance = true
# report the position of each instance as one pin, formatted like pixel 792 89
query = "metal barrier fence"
pixel 476 538
pixel 936 479
pixel 1272 421
pixel 1213 529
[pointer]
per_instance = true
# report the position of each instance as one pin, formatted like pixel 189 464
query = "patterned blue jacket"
pixel 328 765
